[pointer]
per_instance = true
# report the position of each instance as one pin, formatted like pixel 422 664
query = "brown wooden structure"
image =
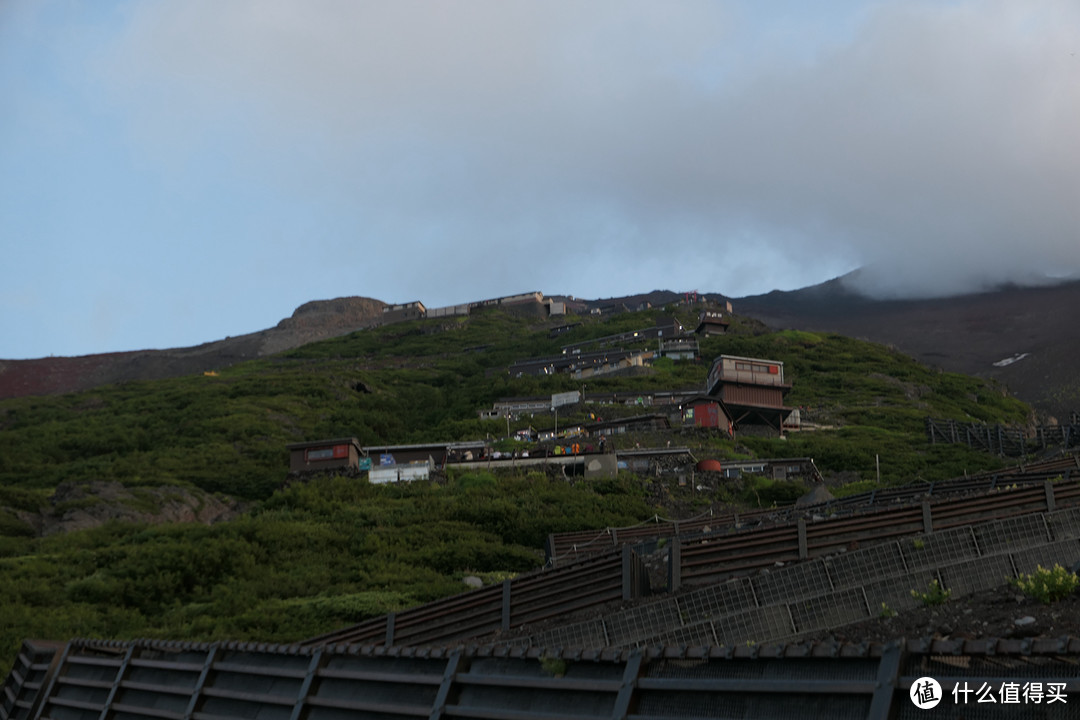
pixel 319 455
pixel 711 322
pixel 753 389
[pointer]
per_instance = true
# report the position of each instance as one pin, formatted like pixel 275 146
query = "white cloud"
pixel 935 143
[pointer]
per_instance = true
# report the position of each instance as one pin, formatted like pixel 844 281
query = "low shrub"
pixel 12 526
pixel 476 480
pixel 763 492
pixel 935 594
pixel 1047 585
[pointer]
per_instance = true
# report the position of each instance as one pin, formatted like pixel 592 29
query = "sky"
pixel 177 171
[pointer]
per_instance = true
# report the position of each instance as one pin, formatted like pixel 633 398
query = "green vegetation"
pixel 312 558
pixel 935 594
pixel 554 666
pixel 336 550
pixel 1047 585
pixel 422 381
pixel 761 492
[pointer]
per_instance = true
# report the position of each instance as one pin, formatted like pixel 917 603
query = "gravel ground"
pixel 1000 613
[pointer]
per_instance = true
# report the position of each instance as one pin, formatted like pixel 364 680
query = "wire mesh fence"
pixel 792 582
pixel 718 600
pixel 755 626
pixel 629 627
pixel 700 634
pixel 853 568
pixel 829 611
pixel 1064 552
pixel 821 594
pixel 941 548
pixel 894 593
pixel 1064 523
pixel 591 633
pixel 1012 533
pixel 980 574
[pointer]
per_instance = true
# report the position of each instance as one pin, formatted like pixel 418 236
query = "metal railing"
pixel 94 679
pixel 534 597
pixel 1001 439
pixel 574 545
pixel 718 557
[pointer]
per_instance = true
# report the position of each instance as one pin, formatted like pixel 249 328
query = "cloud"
pixel 932 143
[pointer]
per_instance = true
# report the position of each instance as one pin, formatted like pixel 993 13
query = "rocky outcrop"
pixel 79 507
pixel 348 313
pixel 321 319
pixel 819 494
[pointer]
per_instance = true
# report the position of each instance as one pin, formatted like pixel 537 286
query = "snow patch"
pixel 1011 360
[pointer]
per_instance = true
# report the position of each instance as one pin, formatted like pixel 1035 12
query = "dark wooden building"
pixel 319 455
pixel 797 468
pixel 711 322
pixel 752 389
pixel 637 423
pixel 679 348
pixel 405 311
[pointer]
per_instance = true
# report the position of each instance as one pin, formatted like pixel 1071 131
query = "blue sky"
pixel 175 172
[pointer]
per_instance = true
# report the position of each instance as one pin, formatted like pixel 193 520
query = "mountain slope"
pixel 1034 327
pixel 424 381
pixel 977 334
pixel 335 550
pixel 310 322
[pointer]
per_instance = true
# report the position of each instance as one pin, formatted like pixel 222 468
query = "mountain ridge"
pixel 312 321
pixel 1016 335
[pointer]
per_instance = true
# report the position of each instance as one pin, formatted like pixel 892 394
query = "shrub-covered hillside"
pixel 423 381
pixel 336 550
pixel 309 559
